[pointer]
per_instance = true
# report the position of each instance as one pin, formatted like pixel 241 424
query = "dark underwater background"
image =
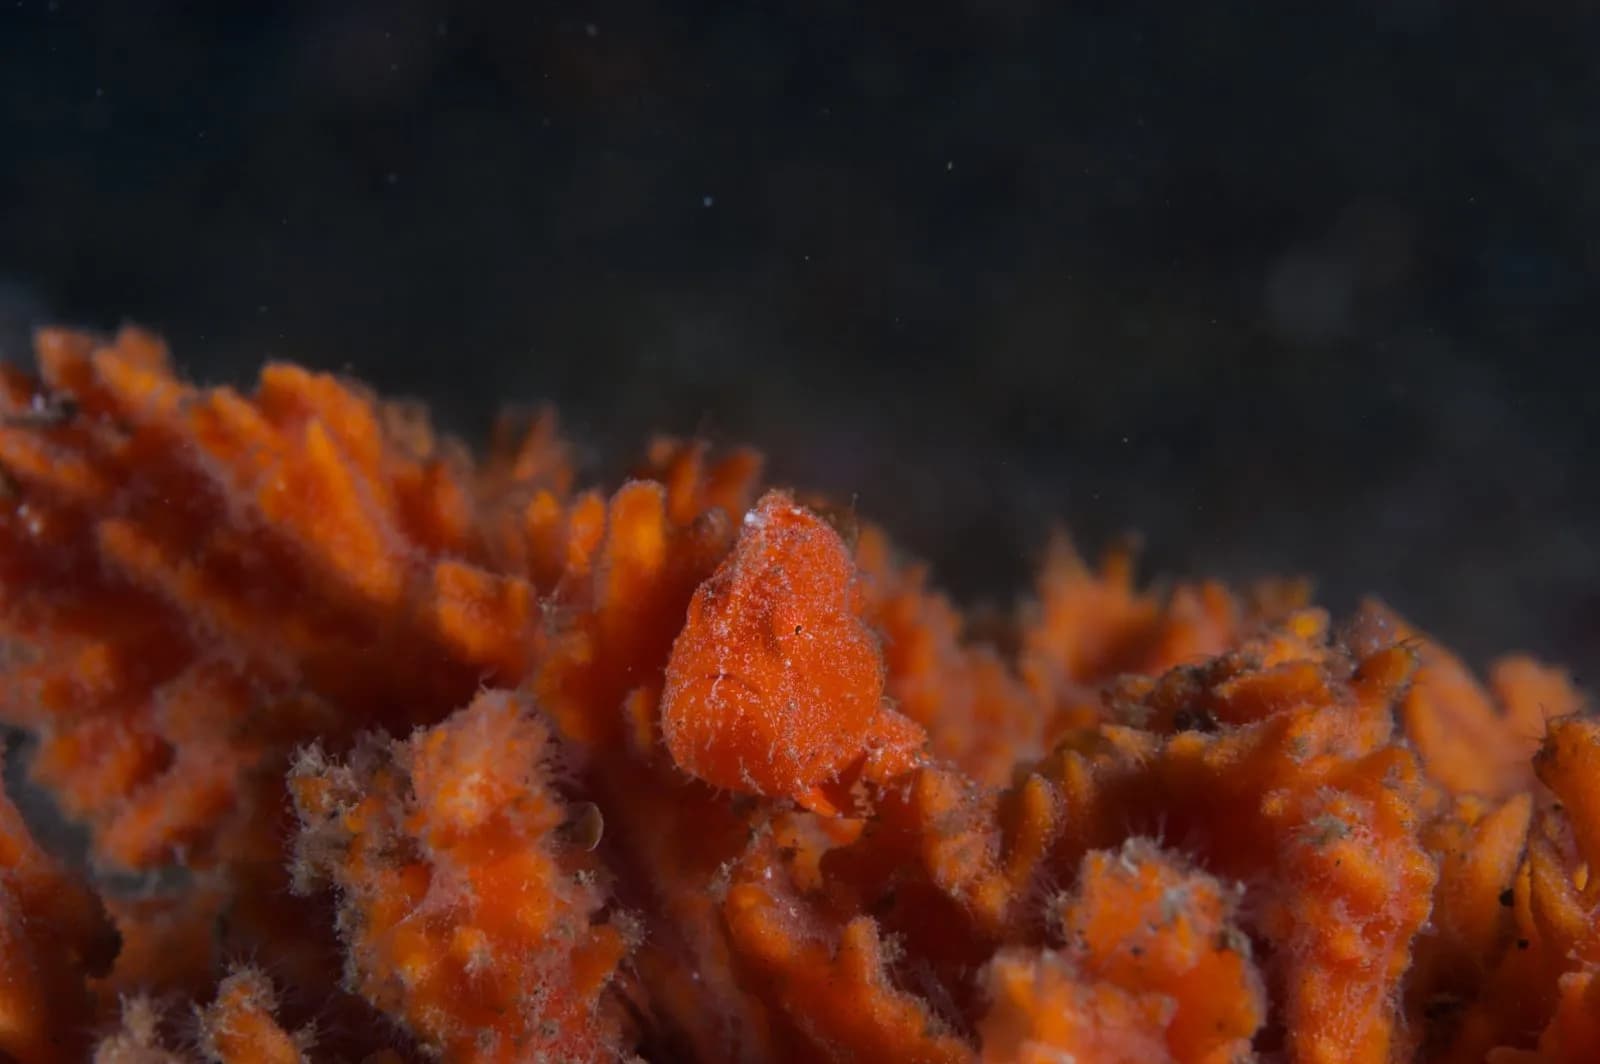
pixel 1286 288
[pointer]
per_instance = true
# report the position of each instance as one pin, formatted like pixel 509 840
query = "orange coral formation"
pixel 237 1028
pixel 464 913
pixel 1154 968
pixel 54 935
pixel 687 774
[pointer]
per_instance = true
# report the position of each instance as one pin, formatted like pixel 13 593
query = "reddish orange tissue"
pixel 775 686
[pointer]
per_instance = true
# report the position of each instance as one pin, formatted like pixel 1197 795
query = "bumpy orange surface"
pixel 775 684
pixel 386 753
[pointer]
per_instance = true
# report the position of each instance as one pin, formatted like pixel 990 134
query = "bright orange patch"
pixel 775 686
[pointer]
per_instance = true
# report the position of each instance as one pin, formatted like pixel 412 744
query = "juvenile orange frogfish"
pixel 775 684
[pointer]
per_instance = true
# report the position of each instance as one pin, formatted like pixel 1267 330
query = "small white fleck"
pixel 708 201
pixel 949 165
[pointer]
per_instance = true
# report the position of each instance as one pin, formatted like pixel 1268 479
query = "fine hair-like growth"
pixel 411 754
